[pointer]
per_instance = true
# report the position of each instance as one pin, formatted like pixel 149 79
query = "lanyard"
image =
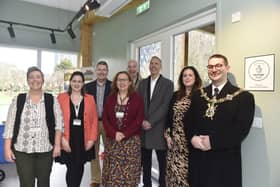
pixel 122 99
pixel 77 108
pixel 120 107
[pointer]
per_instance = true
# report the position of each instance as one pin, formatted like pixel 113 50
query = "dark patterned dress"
pixel 177 157
pixel 122 162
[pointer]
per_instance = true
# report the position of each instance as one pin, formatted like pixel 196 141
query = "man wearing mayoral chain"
pixel 219 119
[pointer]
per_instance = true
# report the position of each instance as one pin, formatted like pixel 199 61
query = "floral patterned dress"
pixel 122 161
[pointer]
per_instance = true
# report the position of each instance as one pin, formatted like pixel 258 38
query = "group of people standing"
pixel 195 132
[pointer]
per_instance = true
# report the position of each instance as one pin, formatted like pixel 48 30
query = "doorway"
pixel 189 42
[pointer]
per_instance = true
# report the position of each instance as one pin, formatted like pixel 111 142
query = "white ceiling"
pixel 73 5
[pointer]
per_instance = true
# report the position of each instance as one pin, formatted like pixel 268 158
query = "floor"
pixel 57 176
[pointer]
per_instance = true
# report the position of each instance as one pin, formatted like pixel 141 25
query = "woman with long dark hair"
pixel 177 155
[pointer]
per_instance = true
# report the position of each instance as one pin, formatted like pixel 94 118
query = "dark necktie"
pixel 216 92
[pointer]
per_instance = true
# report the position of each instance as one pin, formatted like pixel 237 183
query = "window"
pixel 193 48
pixel 54 65
pixel 179 56
pixel 14 63
pixel 201 46
pixel 145 54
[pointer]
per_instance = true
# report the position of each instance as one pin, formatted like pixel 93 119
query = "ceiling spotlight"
pixel 11 31
pixel 94 4
pixel 53 37
pixel 87 7
pixel 91 5
pixel 71 32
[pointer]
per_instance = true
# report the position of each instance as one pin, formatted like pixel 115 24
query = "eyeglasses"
pixel 122 80
pixel 217 66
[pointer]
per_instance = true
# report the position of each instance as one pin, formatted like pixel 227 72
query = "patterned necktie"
pixel 216 92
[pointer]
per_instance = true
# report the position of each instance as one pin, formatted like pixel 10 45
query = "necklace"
pixel 122 99
pixel 211 103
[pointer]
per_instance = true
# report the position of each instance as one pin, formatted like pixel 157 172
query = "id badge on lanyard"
pixel 119 115
pixel 76 121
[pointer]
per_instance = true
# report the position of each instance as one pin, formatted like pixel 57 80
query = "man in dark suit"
pixel 100 89
pixel 157 92
pixel 219 119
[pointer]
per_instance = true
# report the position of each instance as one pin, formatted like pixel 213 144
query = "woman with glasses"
pixel 80 132
pixel 123 115
pixel 32 132
pixel 177 155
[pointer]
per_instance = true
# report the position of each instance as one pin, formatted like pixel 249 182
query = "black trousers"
pixel 74 174
pixel 147 166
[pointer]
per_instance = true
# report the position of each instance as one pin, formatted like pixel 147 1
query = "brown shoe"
pixel 94 184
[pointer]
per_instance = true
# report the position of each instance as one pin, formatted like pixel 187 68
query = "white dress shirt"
pixel 153 84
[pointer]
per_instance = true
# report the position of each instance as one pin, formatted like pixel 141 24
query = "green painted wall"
pixel 256 34
pixel 112 37
pixel 29 13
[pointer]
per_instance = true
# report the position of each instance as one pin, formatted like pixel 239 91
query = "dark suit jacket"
pixel 221 166
pixel 91 89
pixel 155 111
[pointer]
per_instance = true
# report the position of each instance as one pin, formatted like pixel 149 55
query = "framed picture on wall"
pixel 88 73
pixel 259 73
